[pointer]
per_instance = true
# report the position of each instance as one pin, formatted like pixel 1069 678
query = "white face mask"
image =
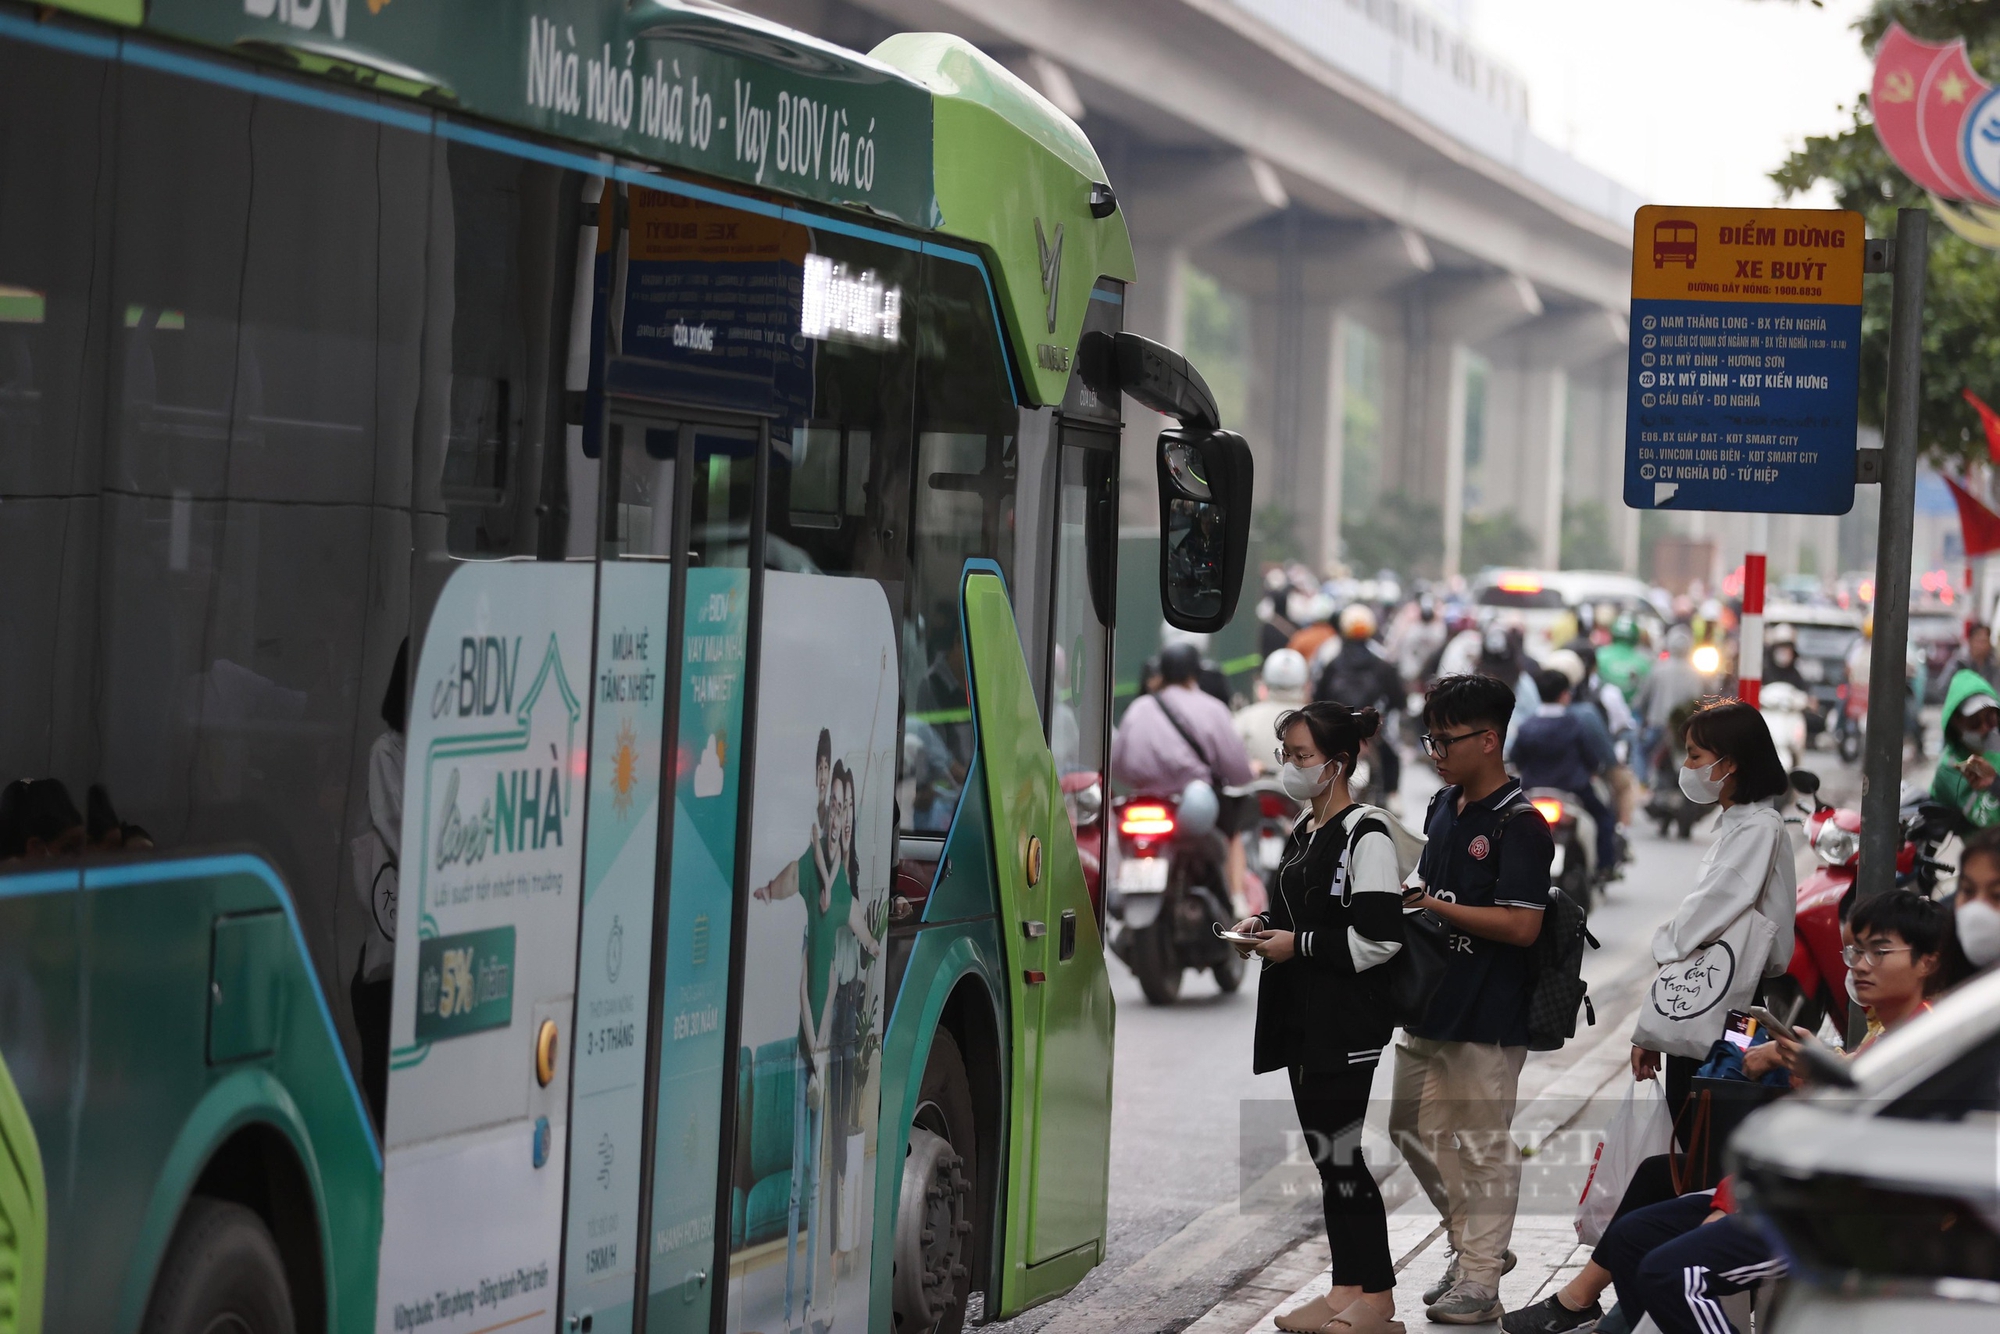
pixel 1306 784
pixel 1978 743
pixel 1979 932
pixel 1700 786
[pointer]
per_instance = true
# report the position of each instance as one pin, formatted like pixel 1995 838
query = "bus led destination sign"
pixel 1746 349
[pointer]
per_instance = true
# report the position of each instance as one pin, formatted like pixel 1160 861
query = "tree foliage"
pixel 1962 297
pixel 1493 539
pixel 1586 537
pixel 1402 533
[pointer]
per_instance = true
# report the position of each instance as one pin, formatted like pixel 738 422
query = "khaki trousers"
pixel 1451 1118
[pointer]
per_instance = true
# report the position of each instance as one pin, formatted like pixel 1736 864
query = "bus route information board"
pixel 1745 359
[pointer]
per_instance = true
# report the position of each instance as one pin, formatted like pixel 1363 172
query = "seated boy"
pixel 1674 1259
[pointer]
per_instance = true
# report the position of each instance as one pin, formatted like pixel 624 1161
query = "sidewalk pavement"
pixel 1574 1091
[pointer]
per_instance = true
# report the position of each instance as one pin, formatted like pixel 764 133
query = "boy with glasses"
pixel 1485 872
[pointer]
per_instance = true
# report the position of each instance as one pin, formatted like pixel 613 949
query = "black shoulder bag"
pixel 1416 971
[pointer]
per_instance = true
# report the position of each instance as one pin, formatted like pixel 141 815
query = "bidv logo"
pixel 305 13
pixel 484 680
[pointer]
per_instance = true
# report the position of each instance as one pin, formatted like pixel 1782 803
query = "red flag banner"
pixel 1901 65
pixel 1990 420
pixel 1948 93
pixel 1979 526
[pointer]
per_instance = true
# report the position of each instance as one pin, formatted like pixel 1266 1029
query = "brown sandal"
pixel 1361 1318
pixel 1309 1317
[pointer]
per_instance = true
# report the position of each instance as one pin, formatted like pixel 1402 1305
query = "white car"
pixel 1886 1196
pixel 1541 597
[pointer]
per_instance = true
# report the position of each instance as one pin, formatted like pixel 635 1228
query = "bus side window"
pixel 967 459
pixel 840 469
pixel 493 420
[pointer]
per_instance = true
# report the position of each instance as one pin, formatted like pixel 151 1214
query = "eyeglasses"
pixel 1436 746
pixel 1874 954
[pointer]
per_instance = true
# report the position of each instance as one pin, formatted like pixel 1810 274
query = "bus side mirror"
pixel 1205 497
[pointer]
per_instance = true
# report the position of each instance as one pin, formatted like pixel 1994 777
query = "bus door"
pixel 1059 1118
pixel 653 961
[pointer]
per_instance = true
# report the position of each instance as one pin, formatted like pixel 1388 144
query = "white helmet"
pixel 1285 670
pixel 1357 621
pixel 1171 634
pixel 1569 663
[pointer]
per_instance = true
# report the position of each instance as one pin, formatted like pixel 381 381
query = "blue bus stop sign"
pixel 1745 360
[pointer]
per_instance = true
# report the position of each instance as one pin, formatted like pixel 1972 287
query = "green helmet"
pixel 1625 630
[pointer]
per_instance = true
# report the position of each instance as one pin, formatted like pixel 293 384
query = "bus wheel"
pixel 222 1273
pixel 936 1208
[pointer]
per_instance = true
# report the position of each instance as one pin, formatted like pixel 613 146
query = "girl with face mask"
pixel 1965 770
pixel 1977 902
pixel 1335 920
pixel 1730 763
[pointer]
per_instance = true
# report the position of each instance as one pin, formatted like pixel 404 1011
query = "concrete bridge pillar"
pixel 1175 203
pixel 1296 415
pixel 1443 320
pixel 1526 469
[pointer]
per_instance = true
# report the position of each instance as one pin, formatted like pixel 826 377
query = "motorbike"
pixel 1169 891
pixel 1277 813
pixel 1574 870
pixel 1666 805
pixel 1784 708
pixel 1834 834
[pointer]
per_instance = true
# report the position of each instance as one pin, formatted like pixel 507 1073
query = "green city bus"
pixel 561 565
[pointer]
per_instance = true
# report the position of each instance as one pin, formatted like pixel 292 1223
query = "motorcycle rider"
pixel 1179 735
pixel 1275 628
pixel 1417 636
pixel 1967 763
pixel 1502 658
pixel 1781 667
pixel 1624 662
pixel 1601 705
pixel 1316 629
pixel 1207 675
pixel 1672 682
pixel 1557 748
pixel 1976 655
pixel 1282 689
pixel 1361 678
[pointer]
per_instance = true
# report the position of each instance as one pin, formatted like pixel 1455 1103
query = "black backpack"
pixel 1559 989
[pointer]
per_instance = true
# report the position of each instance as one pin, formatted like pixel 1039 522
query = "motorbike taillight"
pixel 1146 820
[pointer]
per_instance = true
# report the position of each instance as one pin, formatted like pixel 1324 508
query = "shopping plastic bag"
pixel 1641 1130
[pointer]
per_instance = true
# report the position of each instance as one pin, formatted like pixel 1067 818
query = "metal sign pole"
pixel 1882 757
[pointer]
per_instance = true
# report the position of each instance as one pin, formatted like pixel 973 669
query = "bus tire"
pixel 222 1270
pixel 938 1207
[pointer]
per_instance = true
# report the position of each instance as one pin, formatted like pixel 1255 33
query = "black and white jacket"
pixel 1325 1008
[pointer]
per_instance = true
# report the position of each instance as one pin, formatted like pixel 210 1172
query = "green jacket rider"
pixel 1622 662
pixel 1966 768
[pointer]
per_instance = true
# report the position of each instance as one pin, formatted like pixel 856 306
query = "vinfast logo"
pixel 303 14
pixel 1051 267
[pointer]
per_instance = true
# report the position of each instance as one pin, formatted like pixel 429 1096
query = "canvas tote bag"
pixel 1683 1010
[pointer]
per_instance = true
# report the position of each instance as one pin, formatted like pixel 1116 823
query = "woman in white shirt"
pixel 1730 762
